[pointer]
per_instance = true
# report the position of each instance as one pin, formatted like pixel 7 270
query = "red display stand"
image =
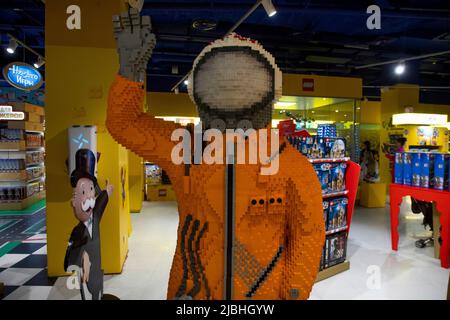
pixel 442 201
pixel 351 182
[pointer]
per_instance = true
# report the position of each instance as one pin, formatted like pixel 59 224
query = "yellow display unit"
pixel 372 195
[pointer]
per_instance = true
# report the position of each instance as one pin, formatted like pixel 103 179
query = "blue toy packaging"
pixel 398 168
pixel 441 169
pixel 416 170
pixel 306 145
pixel 338 177
pixel 335 148
pixel 325 205
pixel 323 173
pixel 337 214
pixel 317 150
pixel 407 169
pixel 326 131
pixel 427 170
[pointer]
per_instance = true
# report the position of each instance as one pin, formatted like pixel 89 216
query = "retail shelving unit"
pixel 351 184
pixel 22 153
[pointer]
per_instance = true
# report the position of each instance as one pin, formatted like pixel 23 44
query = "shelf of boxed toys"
pixel 22 204
pixel 12 146
pixel 331 160
pixel 442 200
pixel 332 271
pixel 335 194
pixel 351 181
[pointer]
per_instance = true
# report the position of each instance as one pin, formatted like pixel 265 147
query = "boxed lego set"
pixel 337 214
pixel 317 147
pixel 331 176
pixel 335 250
pixel 422 169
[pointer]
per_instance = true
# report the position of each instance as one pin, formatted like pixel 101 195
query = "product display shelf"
pixel 22 150
pixel 12 146
pixel 351 182
pixel 332 160
pixel 335 194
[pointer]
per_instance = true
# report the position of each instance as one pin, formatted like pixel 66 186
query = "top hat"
pixel 84 167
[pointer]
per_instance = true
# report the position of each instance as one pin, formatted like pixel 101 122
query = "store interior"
pixel 368 111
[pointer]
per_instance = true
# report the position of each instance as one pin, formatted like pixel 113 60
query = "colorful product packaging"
pixel 323 173
pixel 416 169
pixel 398 168
pixel 407 168
pixel 317 150
pixel 335 148
pixel 427 170
pixel 335 249
pixel 337 214
pixel 338 177
pixel 441 170
pixel 325 205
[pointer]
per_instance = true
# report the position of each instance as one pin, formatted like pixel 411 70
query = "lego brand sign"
pixel 7 113
pixel 22 76
pixel 308 84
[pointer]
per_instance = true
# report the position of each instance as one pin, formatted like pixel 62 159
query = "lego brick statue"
pixel 242 234
pixel 83 252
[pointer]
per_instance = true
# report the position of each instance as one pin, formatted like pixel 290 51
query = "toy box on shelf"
pixel 22 153
pixel 339 177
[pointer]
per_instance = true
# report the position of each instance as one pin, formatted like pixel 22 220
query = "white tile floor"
pixel 410 273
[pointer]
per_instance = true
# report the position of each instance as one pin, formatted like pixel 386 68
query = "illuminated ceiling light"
pixel 282 104
pixel 186 82
pixel 313 111
pixel 39 63
pixel 420 118
pixel 12 46
pixel 337 111
pixel 400 69
pixel 269 7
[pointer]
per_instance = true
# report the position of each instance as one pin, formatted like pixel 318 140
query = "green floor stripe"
pixel 25 212
pixel 7 247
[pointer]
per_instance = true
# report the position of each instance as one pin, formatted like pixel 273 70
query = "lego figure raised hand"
pixel 244 233
pixel 83 251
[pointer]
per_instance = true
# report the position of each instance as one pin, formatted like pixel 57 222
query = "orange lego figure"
pixel 242 234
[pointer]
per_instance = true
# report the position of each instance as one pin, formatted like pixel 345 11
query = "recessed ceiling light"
pixel 400 69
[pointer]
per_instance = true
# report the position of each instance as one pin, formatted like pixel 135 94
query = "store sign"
pixel 7 113
pixel 308 84
pixel 22 76
pixel 420 118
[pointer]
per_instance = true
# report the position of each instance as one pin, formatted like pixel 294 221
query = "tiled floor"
pixel 410 273
pixel 24 270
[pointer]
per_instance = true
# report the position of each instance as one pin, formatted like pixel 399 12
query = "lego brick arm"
pixel 305 234
pixel 126 121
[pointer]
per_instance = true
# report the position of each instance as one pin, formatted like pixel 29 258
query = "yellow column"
pixel 136 181
pixel 80 66
pixel 394 100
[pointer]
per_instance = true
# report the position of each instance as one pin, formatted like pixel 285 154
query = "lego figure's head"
pixel 234 84
pixel 84 185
